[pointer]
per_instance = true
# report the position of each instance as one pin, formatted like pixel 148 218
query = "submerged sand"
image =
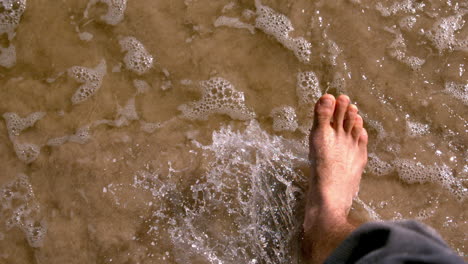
pixel 176 131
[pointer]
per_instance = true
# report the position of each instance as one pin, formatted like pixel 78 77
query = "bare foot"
pixel 338 154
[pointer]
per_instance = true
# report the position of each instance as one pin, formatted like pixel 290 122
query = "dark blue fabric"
pixel 393 242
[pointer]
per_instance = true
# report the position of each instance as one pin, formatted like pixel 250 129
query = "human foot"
pixel 338 154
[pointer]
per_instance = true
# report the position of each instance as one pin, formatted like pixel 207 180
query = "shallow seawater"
pixel 176 131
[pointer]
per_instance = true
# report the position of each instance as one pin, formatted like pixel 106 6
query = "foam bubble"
pixel 141 86
pixel 398 51
pixel 228 7
pixel 91 79
pixel 19 206
pixel 149 127
pixel 339 82
pixel 415 172
pixel 16 124
pixel 307 88
pixel 407 22
pixel 406 6
pixel 233 22
pixel 127 113
pixel 27 152
pixel 115 11
pixel 12 10
pixel 218 97
pixel 58 141
pixel 124 115
pixel 443 31
pixel 85 36
pixel 459 91
pixel 416 129
pixel 279 26
pixel 81 136
pixel 8 56
pixel 10 15
pixel 333 51
pixel 167 84
pixel 137 58
pixel 377 166
pixel 284 118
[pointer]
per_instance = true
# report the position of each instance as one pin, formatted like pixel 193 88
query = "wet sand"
pixel 132 178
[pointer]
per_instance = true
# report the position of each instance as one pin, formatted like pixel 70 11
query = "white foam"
pixel 85 36
pixel 19 206
pixel 333 51
pixel 27 152
pixel 406 6
pixel 137 58
pixel 10 16
pixel 81 136
pixel 415 172
pixel 248 14
pixel 459 91
pixel 284 118
pixel 398 51
pixel 91 79
pixel 12 10
pixel 186 82
pixel 141 86
pixel 415 129
pixel 16 124
pixel 124 115
pixel 149 127
pixel 339 82
pixel 377 166
pixel 115 11
pixel 233 22
pixel 128 112
pixel 8 56
pixel 117 67
pixel 407 22
pixel 443 31
pixel 307 88
pixel 218 97
pixel 166 85
pixel 228 7
pixel 58 141
pixel 279 26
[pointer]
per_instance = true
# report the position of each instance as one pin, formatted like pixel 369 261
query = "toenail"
pixel 326 102
pixel 344 98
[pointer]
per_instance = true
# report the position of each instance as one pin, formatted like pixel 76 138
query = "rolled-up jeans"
pixel 393 242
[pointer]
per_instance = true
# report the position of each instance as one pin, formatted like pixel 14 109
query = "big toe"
pixel 324 109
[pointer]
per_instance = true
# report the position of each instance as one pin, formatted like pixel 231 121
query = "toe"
pixel 358 126
pixel 363 138
pixel 342 103
pixel 324 110
pixel 350 117
pixel 362 144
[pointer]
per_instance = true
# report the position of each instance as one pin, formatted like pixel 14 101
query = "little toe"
pixel 350 118
pixel 342 103
pixel 357 128
pixel 363 139
pixel 324 110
